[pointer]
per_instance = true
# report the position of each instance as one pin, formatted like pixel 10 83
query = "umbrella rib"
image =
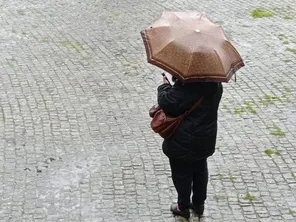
pixel 214 36
pixel 191 58
pixel 163 47
pixel 221 63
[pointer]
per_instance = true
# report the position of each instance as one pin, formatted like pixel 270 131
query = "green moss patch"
pixel 261 13
pixel 270 152
pixel 291 50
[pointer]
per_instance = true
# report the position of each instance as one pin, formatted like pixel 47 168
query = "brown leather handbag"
pixel 165 125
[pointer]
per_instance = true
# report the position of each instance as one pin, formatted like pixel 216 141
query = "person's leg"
pixel 200 183
pixel 182 176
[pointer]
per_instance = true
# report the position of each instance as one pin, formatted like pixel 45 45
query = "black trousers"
pixel 187 177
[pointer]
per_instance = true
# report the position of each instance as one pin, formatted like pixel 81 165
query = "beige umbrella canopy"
pixel 191 47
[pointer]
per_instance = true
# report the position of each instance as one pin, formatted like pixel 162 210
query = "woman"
pixel 192 142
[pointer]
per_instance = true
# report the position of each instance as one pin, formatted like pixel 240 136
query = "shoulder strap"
pixel 193 107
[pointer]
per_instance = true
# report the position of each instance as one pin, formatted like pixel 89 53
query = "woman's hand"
pixel 165 80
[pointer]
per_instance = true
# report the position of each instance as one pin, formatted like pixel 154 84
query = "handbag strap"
pixel 193 107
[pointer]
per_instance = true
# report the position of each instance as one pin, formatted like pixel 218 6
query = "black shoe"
pixel 183 213
pixel 198 210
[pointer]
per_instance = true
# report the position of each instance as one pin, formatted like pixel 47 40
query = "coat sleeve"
pixel 171 100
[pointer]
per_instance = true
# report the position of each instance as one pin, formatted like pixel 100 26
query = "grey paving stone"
pixel 75 90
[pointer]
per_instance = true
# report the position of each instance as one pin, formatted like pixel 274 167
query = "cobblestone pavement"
pixel 75 89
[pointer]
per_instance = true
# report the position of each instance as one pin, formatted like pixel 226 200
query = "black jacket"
pixel 195 138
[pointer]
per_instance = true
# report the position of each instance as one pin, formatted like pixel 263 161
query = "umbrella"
pixel 191 47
